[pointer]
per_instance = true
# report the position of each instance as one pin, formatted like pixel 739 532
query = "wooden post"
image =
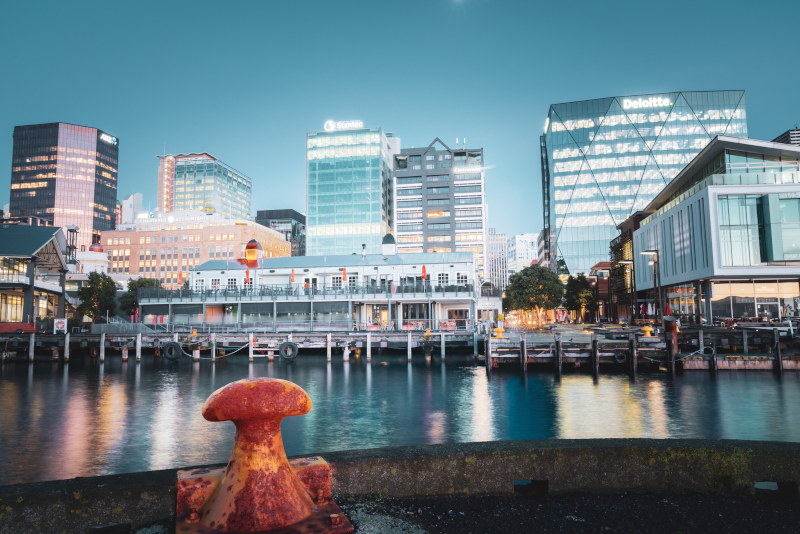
pixel 744 340
pixel 632 356
pixel 700 342
pixel 523 352
pixel 214 350
pixel 66 347
pixel 488 349
pixel 670 354
pixel 712 363
pixel 443 345
pixel 409 346
pixel 475 343
pixel 30 347
pixel 250 346
pixel 369 346
pixel 558 357
pixel 102 348
pixel 196 355
pixel 328 346
pixel 778 363
pixel 595 356
pixel 124 354
pixel 138 347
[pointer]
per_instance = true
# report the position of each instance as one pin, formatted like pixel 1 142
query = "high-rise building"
pixel 497 258
pixel 604 159
pixel 130 207
pixel 202 182
pixel 789 137
pixel 168 246
pixel 66 174
pixel 441 201
pixel 288 222
pixel 349 188
pixel 522 250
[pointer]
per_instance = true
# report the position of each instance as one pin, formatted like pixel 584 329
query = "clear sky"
pixel 246 81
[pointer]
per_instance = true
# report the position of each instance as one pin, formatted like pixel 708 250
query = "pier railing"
pixel 150 295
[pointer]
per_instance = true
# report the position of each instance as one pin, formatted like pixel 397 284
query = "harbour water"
pixel 61 421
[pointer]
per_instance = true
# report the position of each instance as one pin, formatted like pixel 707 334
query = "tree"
pixel 534 288
pixel 580 295
pixel 97 296
pixel 129 301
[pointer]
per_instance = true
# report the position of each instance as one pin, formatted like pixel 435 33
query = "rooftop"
pixel 350 260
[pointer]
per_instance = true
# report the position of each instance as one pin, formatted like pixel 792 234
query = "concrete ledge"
pixel 603 465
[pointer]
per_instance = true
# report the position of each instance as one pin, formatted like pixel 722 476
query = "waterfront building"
pixel 522 250
pixel 335 292
pixel 66 174
pixel 349 188
pixel 32 272
pixel 604 159
pixel 288 222
pixel 167 246
pixel 599 277
pixel 497 259
pixel 789 137
pixel 202 182
pixel 130 207
pixel 724 235
pixel 441 201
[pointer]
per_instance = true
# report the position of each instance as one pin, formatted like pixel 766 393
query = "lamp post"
pixel 656 280
pixel 593 280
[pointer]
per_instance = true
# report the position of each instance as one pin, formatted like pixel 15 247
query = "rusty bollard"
pixel 260 489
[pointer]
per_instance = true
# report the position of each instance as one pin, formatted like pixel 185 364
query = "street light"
pixel 656 279
pixel 634 309
pixel 593 280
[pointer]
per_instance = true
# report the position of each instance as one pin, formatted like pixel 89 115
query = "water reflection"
pixel 86 418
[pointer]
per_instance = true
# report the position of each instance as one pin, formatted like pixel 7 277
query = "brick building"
pixel 167 246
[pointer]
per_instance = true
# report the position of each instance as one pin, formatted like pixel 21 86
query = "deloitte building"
pixel 604 159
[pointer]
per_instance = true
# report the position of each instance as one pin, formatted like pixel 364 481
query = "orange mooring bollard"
pixel 260 489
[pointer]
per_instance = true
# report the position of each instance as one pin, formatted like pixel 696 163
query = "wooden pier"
pixel 711 349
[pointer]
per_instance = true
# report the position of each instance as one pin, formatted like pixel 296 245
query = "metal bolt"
pixel 193 517
pixel 320 497
pixel 334 519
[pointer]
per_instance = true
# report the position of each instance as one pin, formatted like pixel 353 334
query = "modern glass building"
pixel 202 182
pixel 288 222
pixel 349 188
pixel 604 159
pixel 66 174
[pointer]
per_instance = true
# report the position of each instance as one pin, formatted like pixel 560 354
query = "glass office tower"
pixel 349 188
pixel 202 182
pixel 66 174
pixel 604 159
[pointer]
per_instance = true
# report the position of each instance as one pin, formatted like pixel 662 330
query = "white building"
pixel 497 258
pixel 522 250
pixel 130 207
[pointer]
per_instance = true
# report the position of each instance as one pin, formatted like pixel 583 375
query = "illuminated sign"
pixel 467 170
pixel 652 102
pixel 108 138
pixel 331 126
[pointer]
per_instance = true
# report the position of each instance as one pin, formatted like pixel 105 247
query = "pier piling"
pixel 443 345
pixel 250 347
pixel 712 363
pixel 328 346
pixel 778 363
pixel 670 355
pixel 66 347
pixel 31 346
pixel 523 352
pixel 102 348
pixel 558 356
pixel 369 346
pixel 595 356
pixel 409 346
pixel 124 354
pixel 744 340
pixel 632 356
pixel 138 348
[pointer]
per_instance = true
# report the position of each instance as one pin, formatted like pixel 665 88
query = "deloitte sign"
pixel 652 102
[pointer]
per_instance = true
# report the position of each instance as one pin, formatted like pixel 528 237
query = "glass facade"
pixel 66 174
pixel 755 301
pixel 604 159
pixel 202 182
pixel 349 188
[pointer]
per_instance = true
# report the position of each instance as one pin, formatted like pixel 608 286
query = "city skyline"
pixel 260 119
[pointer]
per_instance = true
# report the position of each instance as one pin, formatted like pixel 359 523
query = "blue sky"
pixel 246 81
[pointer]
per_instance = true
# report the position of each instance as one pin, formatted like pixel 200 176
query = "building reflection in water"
pixel 88 419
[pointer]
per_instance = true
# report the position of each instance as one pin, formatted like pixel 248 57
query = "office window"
pixel 438 238
pixel 468 188
pixel 439 202
pixel 468 200
pixel 444 279
pixel 408 227
pixel 465 225
pixel 336 282
pixel 409 215
pixel 438 226
pixel 461 279
pixel 409 180
pixel 409 204
pixel 408 192
pixel 436 214
pixel 231 284
pixel 437 190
